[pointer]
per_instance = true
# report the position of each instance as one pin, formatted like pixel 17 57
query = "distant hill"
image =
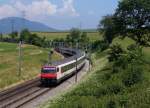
pixel 16 23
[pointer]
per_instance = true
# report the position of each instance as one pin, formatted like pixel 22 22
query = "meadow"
pixel 93 36
pixel 32 60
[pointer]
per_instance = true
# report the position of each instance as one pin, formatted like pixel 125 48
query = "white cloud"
pixel 68 8
pixel 37 9
pixel 7 10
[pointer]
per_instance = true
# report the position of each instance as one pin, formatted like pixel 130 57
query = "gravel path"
pixel 58 90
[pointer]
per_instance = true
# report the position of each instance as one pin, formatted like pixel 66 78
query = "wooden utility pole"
pixel 20 45
pixel 20 59
pixel 90 62
pixel 50 57
pixel 77 45
pixel 90 59
pixel 76 77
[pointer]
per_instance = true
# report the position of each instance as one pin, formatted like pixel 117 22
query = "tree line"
pixel 74 39
pixel 25 36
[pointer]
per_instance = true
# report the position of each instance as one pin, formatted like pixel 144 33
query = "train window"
pixel 57 69
pixel 48 70
pixel 66 68
pixel 70 66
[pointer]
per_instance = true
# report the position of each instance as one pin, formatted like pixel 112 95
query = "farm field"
pixel 33 58
pixel 93 36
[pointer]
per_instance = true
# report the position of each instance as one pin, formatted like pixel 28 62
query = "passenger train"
pixel 54 74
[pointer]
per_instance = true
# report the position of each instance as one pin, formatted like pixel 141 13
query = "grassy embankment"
pixel 33 58
pixel 104 89
pixel 58 35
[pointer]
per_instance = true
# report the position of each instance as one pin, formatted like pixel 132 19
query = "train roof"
pixel 75 52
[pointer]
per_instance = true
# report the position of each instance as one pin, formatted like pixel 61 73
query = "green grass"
pixel 33 58
pixel 58 35
pixel 7 47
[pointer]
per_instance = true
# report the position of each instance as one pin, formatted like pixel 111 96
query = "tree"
pixel 99 45
pixel 31 39
pixel 115 52
pixel 14 34
pixel 84 40
pixel 34 39
pixel 132 19
pixel 25 35
pixel 1 36
pixel 69 39
pixel 108 26
pixel 76 36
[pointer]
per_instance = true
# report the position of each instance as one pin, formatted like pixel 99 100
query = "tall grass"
pixel 33 58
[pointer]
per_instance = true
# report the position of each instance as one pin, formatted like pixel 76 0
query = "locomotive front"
pixel 49 74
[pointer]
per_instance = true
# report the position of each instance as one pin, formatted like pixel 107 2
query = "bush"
pixel 122 62
pixel 115 52
pixel 99 92
pixel 133 75
pixel 123 103
pixel 107 76
pixel 111 104
pixel 114 88
pixel 135 53
pixel 100 45
pixel 115 70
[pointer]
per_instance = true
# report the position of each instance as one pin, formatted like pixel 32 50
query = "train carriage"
pixel 62 69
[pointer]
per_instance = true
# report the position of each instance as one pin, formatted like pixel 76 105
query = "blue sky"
pixel 60 14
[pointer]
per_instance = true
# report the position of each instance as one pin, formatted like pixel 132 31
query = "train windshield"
pixel 48 70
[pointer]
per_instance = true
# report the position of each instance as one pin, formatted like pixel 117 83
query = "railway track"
pixel 20 99
pixel 20 95
pixel 13 95
pixel 18 89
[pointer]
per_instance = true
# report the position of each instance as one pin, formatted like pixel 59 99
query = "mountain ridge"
pixel 9 24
